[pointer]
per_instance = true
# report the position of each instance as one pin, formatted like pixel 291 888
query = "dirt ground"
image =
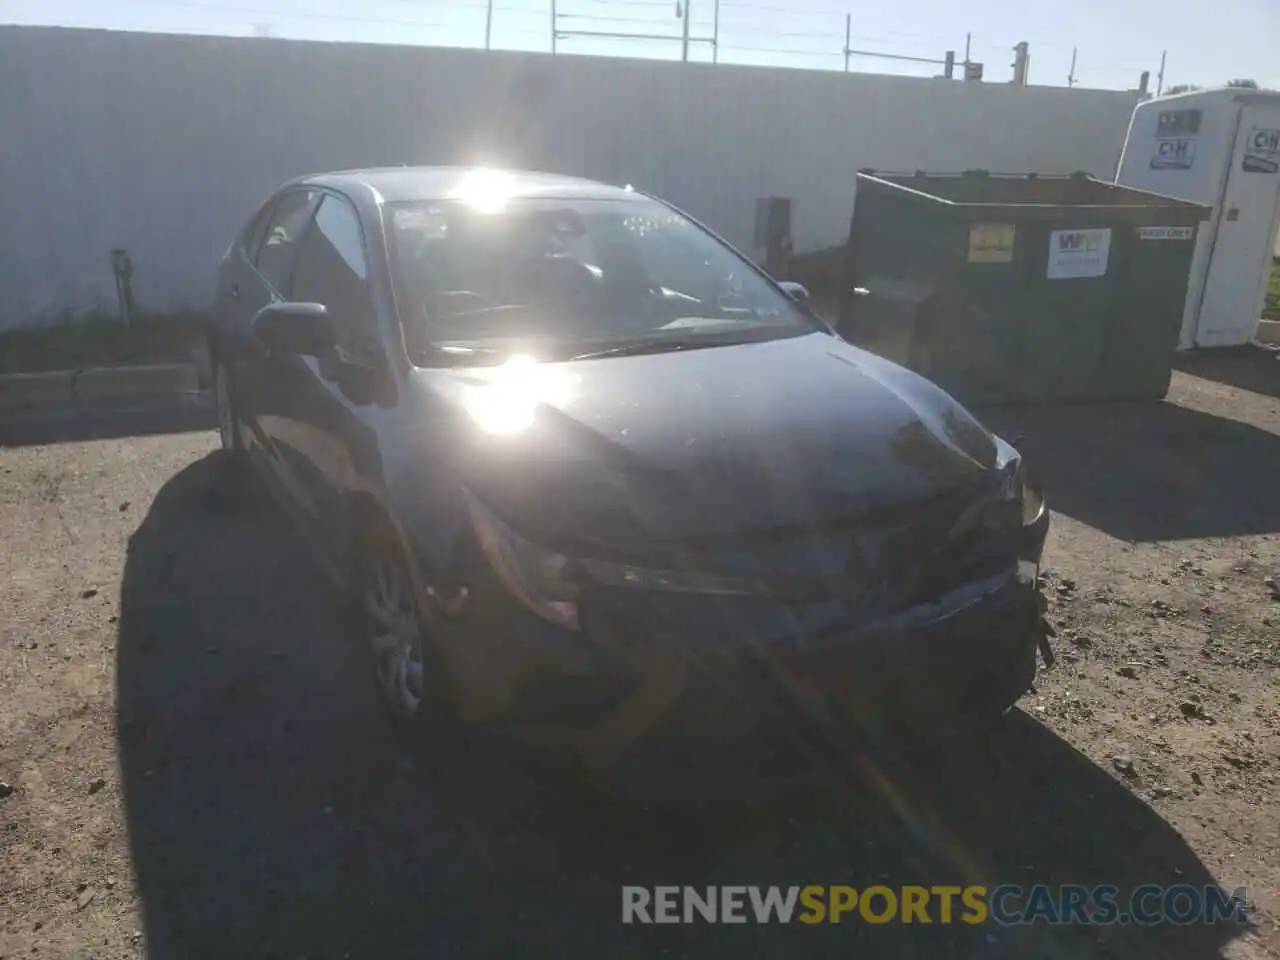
pixel 194 767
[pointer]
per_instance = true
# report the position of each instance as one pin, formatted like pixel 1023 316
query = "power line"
pixel 650 21
pixel 725 6
pixel 632 3
pixel 446 4
pixel 305 15
pixel 802 53
pixel 801 34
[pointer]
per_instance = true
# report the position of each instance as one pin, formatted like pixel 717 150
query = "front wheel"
pixel 400 648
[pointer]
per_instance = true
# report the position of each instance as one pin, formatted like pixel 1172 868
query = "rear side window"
pixel 256 230
pixel 332 270
pixel 285 228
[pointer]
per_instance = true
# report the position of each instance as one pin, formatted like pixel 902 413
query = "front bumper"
pixel 663 685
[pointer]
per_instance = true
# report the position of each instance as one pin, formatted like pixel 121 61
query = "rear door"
pixel 234 346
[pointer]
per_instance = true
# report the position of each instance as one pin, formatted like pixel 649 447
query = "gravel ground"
pixel 195 768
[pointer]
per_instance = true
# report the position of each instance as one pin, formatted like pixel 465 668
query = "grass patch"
pixel 94 340
pixel 1271 306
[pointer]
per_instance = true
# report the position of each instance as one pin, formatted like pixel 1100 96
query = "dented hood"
pixel 721 441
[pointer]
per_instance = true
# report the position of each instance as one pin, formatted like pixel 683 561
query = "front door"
pixel 265 388
pixel 322 428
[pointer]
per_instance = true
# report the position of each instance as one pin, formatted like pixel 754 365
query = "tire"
pixel 235 459
pixel 401 653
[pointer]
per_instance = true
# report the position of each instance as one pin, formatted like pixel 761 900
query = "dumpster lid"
pixel 1029 196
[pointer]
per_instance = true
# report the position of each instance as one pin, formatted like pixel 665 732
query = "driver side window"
pixel 279 247
pixel 332 269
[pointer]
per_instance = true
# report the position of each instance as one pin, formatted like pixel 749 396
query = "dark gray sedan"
pixel 601 485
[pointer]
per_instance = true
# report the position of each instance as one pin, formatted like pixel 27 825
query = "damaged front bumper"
pixel 688 683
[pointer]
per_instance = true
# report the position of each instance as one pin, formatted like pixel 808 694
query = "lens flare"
pixel 485 191
pixel 507 402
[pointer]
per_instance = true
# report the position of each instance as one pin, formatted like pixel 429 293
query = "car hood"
pixel 608 454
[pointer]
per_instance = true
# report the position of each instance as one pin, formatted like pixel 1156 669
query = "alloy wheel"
pixel 395 641
pixel 226 415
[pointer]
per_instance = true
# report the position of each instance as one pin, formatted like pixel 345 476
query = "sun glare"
pixel 485 191
pixel 507 403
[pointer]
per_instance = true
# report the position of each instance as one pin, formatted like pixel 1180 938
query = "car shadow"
pixel 271 815
pixel 1148 470
pixel 24 429
pixel 1253 367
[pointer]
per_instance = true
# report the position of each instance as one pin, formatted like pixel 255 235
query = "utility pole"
pixel 684 31
pixel 968 40
pixel 715 33
pixel 1160 75
pixel 488 24
pixel 1071 77
pixel 554 24
pixel 848 26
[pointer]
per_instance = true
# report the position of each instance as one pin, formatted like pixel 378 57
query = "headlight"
pixel 1032 500
pixel 548 582
pixel 1018 486
pixel 541 579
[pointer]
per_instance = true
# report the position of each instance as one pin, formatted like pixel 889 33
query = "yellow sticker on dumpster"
pixel 991 243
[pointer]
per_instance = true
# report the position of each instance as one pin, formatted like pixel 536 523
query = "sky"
pixel 1208 42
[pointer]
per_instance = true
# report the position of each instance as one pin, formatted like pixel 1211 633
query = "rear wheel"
pixel 228 426
pixel 234 456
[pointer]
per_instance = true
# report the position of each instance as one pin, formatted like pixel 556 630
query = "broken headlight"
pixel 1019 487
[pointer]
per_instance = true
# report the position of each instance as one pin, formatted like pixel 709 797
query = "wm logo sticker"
pixel 1082 242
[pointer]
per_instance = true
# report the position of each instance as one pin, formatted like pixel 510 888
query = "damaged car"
pixel 600 485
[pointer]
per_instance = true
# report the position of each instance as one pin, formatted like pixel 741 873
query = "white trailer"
pixel 1220 148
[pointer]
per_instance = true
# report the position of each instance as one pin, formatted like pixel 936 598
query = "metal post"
pixel 1021 62
pixel 1071 77
pixel 968 40
pixel 554 24
pixel 684 35
pixel 488 24
pixel 715 33
pixel 1160 75
pixel 848 27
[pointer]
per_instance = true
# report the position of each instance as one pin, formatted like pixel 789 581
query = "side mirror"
pixel 796 291
pixel 303 329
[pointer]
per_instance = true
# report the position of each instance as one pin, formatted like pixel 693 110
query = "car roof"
pixel 394 184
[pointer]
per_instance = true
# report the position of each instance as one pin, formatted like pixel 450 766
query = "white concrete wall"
pixel 163 144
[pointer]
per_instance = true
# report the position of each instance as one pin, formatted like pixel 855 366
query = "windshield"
pixel 567 278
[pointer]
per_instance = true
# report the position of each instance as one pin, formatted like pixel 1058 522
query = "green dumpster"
pixel 1012 288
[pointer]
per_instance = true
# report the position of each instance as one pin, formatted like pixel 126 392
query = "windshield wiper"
pixel 458 353
pixel 637 347
pixel 633 348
